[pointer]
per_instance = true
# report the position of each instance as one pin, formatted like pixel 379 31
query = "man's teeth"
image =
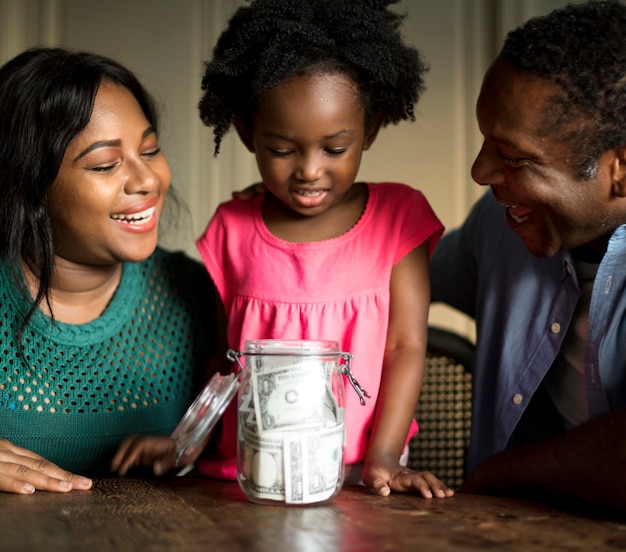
pixel 135 218
pixel 516 218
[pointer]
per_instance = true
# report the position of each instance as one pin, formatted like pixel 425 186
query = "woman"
pixel 102 333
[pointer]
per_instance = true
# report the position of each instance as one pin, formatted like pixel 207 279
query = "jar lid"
pixel 299 347
pixel 203 414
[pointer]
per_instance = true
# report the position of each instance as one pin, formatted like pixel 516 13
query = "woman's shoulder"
pixel 178 256
pixel 178 265
pixel 181 281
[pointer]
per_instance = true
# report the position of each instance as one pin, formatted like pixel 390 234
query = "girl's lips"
pixel 309 197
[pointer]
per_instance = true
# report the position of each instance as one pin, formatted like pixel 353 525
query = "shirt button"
pixel 517 398
pixel 555 327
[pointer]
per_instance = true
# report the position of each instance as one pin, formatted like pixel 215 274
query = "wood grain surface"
pixel 190 514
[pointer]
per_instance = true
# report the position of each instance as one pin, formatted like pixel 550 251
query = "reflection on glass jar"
pixel 291 434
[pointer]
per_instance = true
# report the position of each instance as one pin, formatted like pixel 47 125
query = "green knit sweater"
pixel 76 391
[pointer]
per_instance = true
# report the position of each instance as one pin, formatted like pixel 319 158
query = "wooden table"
pixel 187 514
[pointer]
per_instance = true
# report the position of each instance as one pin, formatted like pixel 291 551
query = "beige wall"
pixel 164 42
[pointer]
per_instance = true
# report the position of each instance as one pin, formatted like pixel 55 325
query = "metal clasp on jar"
pixel 345 369
pixel 234 356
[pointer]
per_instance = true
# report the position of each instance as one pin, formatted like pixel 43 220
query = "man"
pixel 548 292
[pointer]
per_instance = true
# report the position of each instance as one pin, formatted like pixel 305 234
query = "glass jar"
pixel 290 427
pixel 290 418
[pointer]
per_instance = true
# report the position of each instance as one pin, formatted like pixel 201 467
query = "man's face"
pixel 533 173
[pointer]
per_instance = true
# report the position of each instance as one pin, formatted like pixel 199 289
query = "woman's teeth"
pixel 310 193
pixel 135 218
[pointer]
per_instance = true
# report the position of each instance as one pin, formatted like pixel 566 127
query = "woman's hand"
pixel 24 472
pixel 384 476
pixel 157 453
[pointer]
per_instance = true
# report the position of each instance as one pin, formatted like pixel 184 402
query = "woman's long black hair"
pixel 46 98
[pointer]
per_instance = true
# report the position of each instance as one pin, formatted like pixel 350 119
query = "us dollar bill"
pixel 292 397
pixel 313 463
pixel 246 412
pixel 263 465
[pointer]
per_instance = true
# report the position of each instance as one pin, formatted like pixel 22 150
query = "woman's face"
pixel 106 200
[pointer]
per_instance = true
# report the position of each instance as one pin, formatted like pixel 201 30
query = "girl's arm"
pixel 403 371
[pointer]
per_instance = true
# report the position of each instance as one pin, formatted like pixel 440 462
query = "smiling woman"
pixel 111 186
pixel 103 334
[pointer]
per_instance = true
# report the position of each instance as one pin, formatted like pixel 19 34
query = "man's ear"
pixel 245 134
pixel 618 171
pixel 372 131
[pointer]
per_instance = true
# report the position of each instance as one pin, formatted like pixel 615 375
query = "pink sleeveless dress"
pixel 335 289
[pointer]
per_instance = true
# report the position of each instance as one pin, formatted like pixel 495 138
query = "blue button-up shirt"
pixel 523 306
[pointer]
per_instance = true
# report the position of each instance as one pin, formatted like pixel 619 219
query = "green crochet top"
pixel 76 391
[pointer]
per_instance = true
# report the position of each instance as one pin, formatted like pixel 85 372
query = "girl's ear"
pixel 245 134
pixel 372 131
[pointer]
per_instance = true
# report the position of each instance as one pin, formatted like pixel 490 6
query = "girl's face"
pixel 308 134
pixel 106 200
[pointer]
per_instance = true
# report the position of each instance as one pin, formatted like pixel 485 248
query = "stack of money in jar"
pixel 291 429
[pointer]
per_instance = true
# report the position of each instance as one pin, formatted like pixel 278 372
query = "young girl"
pixel 307 85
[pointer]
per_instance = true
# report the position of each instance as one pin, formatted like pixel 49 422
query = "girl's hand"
pixel 157 453
pixel 386 476
pixel 24 472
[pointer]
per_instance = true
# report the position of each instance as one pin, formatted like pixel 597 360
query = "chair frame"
pixel 444 409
